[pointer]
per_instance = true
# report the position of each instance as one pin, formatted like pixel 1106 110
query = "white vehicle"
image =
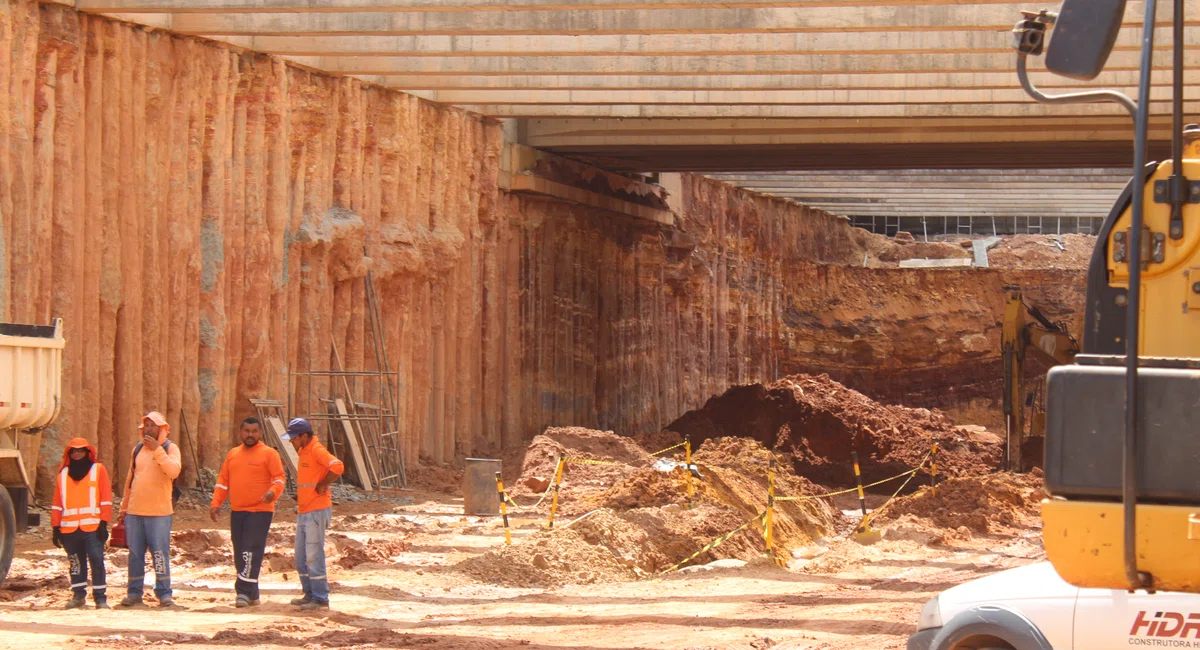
pixel 1032 608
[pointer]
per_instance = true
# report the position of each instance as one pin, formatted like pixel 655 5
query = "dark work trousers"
pixel 84 549
pixel 249 532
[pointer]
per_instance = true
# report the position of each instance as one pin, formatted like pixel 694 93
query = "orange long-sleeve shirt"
pixel 148 486
pixel 315 461
pixel 245 477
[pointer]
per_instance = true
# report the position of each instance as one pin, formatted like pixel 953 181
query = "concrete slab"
pixel 981 247
pixel 935 264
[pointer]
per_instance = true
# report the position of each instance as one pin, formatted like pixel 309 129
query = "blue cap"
pixel 297 427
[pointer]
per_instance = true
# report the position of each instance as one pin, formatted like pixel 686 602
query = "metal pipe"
pixel 1178 183
pixel 1136 579
pixel 1075 98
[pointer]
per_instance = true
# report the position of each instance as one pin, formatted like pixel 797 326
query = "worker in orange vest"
pixel 80 515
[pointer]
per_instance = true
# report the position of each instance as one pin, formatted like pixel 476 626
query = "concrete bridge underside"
pixel 715 86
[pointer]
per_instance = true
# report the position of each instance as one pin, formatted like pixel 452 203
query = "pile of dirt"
pixel 651 488
pixel 201 547
pixel 548 558
pixel 431 478
pixel 881 251
pixel 580 481
pixel 979 504
pixel 817 423
pixel 1043 252
pixel 374 551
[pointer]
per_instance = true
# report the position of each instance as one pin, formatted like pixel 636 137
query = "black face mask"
pixel 77 469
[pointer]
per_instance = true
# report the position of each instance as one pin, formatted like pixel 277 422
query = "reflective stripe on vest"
pixel 81 515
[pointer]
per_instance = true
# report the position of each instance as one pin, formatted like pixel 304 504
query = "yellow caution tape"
pixel 877 511
pixel 910 473
pixel 716 542
pixel 531 507
pixel 669 448
pixel 585 461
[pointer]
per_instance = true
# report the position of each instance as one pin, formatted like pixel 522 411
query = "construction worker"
pixel 252 476
pixel 147 509
pixel 318 468
pixel 80 515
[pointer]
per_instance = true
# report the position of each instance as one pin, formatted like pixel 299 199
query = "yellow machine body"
pixel 1084 539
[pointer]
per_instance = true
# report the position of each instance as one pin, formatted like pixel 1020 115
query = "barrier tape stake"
pixel 558 472
pixel 862 499
pixel 503 508
pixel 687 450
pixel 933 474
pixel 769 521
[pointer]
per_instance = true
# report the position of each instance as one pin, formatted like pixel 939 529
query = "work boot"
pixel 304 600
pixel 314 604
pixel 75 603
pixel 102 604
pixel 131 601
pixel 242 601
pixel 166 602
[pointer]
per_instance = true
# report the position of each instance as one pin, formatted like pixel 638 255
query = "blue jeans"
pixel 310 553
pixel 155 533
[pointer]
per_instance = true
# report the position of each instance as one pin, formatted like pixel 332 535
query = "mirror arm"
pixel 1071 98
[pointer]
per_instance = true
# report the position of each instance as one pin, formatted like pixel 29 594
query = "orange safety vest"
pixel 81 502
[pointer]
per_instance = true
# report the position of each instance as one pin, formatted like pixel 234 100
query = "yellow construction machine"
pixel 1122 451
pixel 30 398
pixel 1026 330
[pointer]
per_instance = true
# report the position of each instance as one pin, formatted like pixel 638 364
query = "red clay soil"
pixel 818 422
pixel 982 504
pixel 1041 252
pixel 540 457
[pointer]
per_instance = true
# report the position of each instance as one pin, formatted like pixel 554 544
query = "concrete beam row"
pixel 840 17
pixel 907 42
pixel 298 6
pixel 751 111
pixel 692 66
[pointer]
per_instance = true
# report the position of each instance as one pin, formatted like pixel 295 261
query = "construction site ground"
pixel 409 570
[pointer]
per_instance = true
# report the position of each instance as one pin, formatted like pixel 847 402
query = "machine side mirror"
pixel 1084 34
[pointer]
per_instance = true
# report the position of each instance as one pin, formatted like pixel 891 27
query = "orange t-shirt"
pixel 315 461
pixel 245 477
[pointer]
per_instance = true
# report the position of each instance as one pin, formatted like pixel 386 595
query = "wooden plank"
pixel 352 441
pixel 290 459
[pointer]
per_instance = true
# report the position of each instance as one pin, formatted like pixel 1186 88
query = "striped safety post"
pixel 687 459
pixel 862 498
pixel 558 472
pixel 769 520
pixel 503 508
pixel 933 471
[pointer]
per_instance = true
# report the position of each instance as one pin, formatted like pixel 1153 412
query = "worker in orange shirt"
pixel 318 468
pixel 148 509
pixel 80 515
pixel 252 477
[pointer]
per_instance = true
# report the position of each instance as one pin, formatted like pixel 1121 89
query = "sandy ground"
pixel 843 596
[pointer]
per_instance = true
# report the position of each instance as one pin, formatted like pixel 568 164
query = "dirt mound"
pixel 1043 252
pixel 548 558
pixel 580 481
pixel 201 547
pixel 374 551
pixel 651 488
pixel 817 422
pixel 656 441
pixel 432 478
pixel 981 505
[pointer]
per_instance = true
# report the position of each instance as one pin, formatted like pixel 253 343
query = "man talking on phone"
pixel 147 509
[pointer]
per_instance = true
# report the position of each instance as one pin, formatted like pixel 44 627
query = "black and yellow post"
pixel 503 508
pixel 687 459
pixel 933 471
pixel 769 520
pixel 863 533
pixel 558 472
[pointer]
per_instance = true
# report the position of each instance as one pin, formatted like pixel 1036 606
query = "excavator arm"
pixel 1026 330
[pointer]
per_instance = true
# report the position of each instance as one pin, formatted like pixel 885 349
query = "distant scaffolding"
pixel 358 408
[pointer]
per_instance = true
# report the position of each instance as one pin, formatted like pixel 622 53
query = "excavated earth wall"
pixel 203 220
